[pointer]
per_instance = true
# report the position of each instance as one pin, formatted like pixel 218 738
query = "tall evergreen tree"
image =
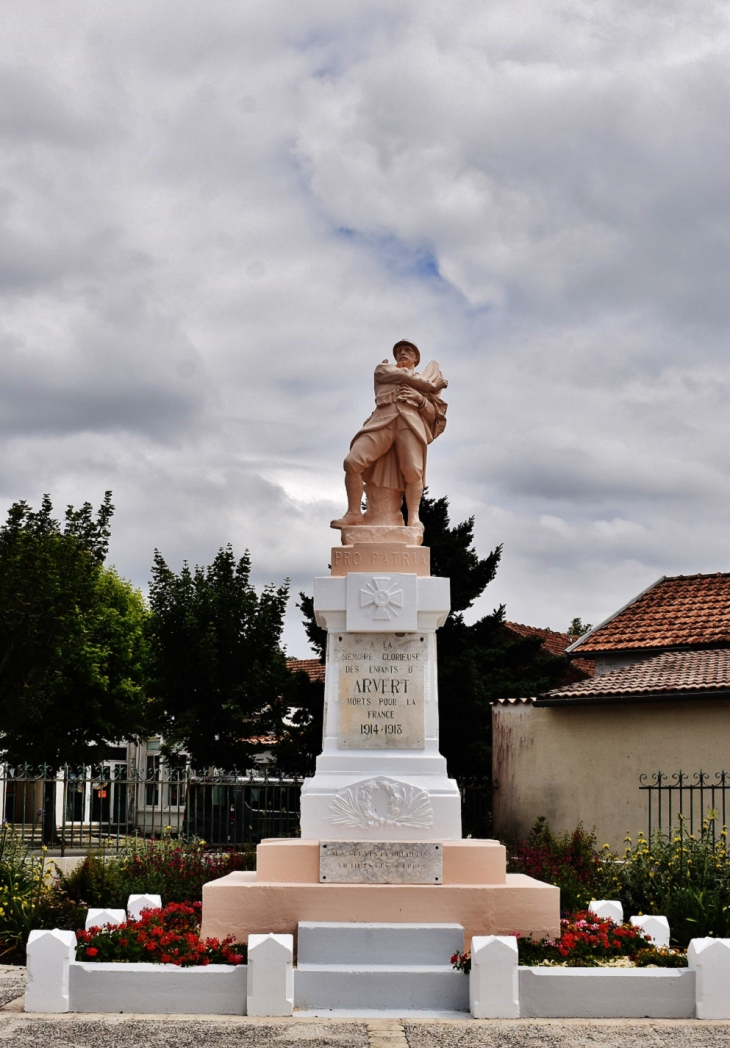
pixel 220 676
pixel 477 663
pixel 301 742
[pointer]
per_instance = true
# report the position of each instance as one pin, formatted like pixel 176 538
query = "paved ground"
pixel 18 1030
pixel 111 1031
pixel 12 983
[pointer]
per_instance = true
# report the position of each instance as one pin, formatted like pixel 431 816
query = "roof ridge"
pixel 699 575
pixel 595 629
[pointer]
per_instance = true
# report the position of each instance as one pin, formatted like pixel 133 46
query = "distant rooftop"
pixel 670 674
pixel 681 611
pixel 553 642
pixel 312 667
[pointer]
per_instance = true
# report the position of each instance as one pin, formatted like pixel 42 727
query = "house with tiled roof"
pixel 555 643
pixel 658 701
pixel 312 667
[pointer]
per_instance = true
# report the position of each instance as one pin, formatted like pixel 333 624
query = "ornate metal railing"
pixel 687 797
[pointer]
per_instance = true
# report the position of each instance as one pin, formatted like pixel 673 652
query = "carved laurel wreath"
pixel 356 806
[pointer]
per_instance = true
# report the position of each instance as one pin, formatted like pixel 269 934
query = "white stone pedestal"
pixel 380 775
pixel 387 786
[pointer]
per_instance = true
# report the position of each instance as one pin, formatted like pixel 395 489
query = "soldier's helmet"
pixel 406 342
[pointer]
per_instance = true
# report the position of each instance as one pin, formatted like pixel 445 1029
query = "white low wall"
pixel 57 982
pixel 501 989
pixel 216 989
pixel 498 987
pixel 607 993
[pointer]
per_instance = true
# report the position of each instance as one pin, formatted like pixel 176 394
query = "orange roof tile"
pixel 672 672
pixel 677 611
pixel 553 642
pixel 313 667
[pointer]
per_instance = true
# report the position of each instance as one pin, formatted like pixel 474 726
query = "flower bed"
pixel 587 941
pixel 682 875
pixel 171 867
pixel 166 936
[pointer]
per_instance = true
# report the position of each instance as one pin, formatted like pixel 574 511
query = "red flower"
pixel 91 951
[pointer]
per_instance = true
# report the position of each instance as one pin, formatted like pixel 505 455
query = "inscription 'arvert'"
pixel 380 690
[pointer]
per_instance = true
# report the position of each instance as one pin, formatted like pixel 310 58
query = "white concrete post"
pixel 493 982
pixel 610 908
pixel 270 984
pixel 137 903
pixel 656 927
pixel 98 916
pixel 49 955
pixel 710 958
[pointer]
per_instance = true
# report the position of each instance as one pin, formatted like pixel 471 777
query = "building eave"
pixel 691 695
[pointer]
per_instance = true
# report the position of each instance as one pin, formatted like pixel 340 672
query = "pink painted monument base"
pixel 285 889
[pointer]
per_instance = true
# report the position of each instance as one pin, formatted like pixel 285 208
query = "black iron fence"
pixel 686 797
pixel 476 806
pixel 106 805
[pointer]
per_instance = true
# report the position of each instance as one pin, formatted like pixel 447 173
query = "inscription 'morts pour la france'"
pixel 380 691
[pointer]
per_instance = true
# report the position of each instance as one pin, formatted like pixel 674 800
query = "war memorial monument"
pixel 381 842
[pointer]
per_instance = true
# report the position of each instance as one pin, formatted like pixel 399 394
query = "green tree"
pixel 481 662
pixel 301 741
pixel 477 663
pixel 72 639
pixel 578 628
pixel 220 676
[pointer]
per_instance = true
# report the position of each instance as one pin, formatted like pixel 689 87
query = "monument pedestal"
pixel 380 775
pixel 475 892
pixel 381 819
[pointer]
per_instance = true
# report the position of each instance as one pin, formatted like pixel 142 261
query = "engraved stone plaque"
pixel 381 700
pixel 380 862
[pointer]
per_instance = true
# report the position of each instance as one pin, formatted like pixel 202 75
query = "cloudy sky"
pixel 215 219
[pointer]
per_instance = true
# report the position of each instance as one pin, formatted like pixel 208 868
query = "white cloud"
pixel 213 224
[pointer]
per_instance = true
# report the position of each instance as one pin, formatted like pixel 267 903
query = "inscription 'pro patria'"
pixel 380 690
pixel 380 862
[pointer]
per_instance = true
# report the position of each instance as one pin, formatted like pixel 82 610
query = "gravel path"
pixel 569 1033
pixel 12 983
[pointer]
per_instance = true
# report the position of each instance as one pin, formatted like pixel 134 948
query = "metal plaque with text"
pixel 380 862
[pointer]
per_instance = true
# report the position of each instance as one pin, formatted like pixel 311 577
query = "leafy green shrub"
pixel 22 888
pixel 684 876
pixel 569 861
pixel 166 936
pixel 94 882
pixel 172 868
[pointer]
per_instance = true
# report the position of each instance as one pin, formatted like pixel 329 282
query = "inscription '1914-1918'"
pixel 381 700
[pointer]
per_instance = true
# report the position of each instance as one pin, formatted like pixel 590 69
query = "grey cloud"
pixel 43 110
pixel 37 407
